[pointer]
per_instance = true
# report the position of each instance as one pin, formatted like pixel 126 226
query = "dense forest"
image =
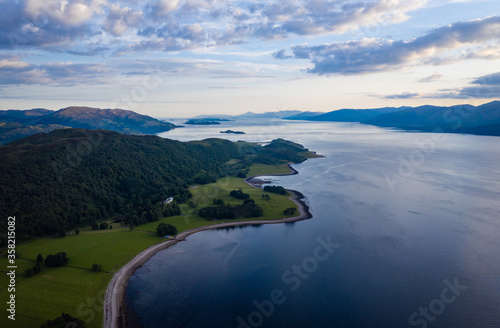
pixel 74 177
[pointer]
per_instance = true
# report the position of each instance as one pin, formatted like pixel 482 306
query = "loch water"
pixel 405 233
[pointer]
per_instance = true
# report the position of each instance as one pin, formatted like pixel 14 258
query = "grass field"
pixel 76 290
pixel 73 289
pixel 263 169
pixel 203 196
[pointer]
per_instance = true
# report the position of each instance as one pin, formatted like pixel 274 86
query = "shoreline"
pixel 114 302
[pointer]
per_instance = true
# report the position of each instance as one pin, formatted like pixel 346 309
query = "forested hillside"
pixel 74 177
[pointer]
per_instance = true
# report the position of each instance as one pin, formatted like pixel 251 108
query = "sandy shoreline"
pixel 114 312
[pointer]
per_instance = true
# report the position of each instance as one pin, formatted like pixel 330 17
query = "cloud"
pixel 62 12
pixel 487 86
pixel 432 78
pixel 404 95
pixel 280 54
pixel 490 79
pixel 43 24
pixel 120 19
pixel 165 6
pixel 14 71
pixel 372 55
pixel 172 25
pixel 483 87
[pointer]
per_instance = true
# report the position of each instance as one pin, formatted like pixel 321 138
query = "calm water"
pixel 413 224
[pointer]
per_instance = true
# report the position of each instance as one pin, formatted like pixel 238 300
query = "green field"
pixel 76 290
pixel 203 196
pixel 264 169
pixel 73 289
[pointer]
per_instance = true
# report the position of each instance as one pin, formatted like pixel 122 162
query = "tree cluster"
pixel 96 267
pixel 171 209
pixel 239 194
pixel 218 201
pixel 56 260
pixel 166 229
pixel 64 321
pixel 248 210
pixel 275 189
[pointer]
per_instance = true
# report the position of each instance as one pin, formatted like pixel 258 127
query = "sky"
pixel 181 58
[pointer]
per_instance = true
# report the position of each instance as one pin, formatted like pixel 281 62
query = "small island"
pixel 233 132
pixel 205 121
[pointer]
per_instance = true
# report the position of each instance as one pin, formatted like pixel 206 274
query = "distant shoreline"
pixel 114 304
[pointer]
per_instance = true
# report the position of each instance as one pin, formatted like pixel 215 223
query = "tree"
pixel 37 268
pixel 110 226
pixel 39 258
pixel 239 194
pixel 64 321
pixel 77 231
pixel 28 272
pixel 218 201
pixel 103 225
pixel 96 267
pixel 56 260
pixel 275 189
pixel 165 229
pixel 95 226
pixel 290 211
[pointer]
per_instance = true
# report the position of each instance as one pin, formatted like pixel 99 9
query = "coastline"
pixel 114 302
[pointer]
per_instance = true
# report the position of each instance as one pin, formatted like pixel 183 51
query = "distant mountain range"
pixel 482 120
pixel 346 115
pixel 251 115
pixel 15 124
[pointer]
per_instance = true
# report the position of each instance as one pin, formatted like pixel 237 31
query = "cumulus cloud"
pixel 120 19
pixel 67 13
pixel 189 23
pixel 371 55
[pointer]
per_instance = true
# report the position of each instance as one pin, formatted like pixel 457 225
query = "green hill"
pixel 73 177
pixel 17 124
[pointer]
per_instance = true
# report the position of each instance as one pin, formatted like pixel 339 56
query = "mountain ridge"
pixel 39 120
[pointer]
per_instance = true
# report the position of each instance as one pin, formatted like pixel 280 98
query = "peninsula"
pixel 91 215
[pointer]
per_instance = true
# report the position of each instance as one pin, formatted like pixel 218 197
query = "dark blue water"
pixel 405 233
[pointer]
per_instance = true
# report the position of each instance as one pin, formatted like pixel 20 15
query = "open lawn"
pixel 67 289
pixel 76 290
pixel 204 195
pixel 264 169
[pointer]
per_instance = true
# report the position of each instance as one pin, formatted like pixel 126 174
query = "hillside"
pixel 119 120
pixel 23 116
pixel 484 119
pixel 347 115
pixel 22 123
pixel 10 131
pixel 73 177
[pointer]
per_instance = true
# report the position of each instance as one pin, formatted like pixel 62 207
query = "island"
pixel 233 132
pixel 205 121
